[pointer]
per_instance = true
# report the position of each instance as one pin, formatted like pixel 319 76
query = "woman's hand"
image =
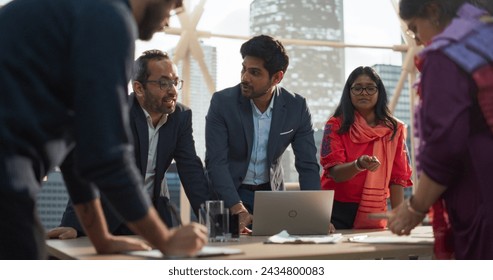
pixel 370 163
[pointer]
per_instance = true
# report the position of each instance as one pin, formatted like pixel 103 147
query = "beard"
pixel 154 15
pixel 249 92
pixel 159 105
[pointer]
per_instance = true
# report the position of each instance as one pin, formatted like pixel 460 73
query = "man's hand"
pixel 245 219
pixel 114 244
pixel 119 244
pixel 186 240
pixel 62 233
pixel 332 228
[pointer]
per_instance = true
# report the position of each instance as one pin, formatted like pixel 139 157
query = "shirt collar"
pixel 162 120
pixel 267 112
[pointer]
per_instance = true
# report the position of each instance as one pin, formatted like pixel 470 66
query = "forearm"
pixel 396 195
pixel 428 191
pixel 151 229
pixel 344 171
pixel 92 219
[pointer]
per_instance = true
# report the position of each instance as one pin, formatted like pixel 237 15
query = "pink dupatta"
pixel 376 187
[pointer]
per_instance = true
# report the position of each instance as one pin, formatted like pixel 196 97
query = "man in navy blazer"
pixel 162 131
pixel 249 126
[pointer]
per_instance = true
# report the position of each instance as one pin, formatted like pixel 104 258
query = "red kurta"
pixel 338 149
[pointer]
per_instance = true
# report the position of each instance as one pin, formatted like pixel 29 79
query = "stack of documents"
pixel 285 238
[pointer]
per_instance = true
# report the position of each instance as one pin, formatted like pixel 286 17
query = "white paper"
pixel 285 238
pixel 207 251
pixel 394 239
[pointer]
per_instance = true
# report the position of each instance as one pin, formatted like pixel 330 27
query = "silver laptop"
pixel 297 212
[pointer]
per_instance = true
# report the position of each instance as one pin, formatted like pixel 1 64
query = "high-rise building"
pixel 315 72
pixel 390 75
pixel 200 96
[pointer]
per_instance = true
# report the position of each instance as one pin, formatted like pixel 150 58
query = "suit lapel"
pixel 278 116
pixel 245 109
pixel 141 133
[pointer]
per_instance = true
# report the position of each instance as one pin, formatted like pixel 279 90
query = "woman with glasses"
pixel 455 116
pixel 363 154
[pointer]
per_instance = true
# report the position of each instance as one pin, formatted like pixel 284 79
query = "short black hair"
pixel 268 49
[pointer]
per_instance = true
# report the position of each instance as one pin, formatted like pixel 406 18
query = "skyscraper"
pixel 200 96
pixel 315 72
pixel 390 75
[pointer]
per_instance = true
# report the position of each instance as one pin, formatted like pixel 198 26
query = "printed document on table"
pixel 285 238
pixel 207 251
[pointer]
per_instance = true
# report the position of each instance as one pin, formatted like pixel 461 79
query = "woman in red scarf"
pixel 364 154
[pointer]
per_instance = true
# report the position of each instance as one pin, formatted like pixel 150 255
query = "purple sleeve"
pixel 444 117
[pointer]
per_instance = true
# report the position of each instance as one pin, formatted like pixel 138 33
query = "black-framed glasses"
pixel 166 84
pixel 358 90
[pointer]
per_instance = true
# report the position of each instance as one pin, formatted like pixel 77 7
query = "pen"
pixel 202 215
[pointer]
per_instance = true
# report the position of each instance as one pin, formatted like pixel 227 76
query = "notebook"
pixel 297 212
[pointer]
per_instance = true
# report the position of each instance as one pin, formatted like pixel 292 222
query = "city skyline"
pixel 363 25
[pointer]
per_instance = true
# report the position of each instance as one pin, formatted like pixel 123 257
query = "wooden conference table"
pixel 418 245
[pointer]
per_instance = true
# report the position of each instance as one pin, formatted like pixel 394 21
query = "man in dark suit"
pixel 162 131
pixel 249 126
pixel 64 71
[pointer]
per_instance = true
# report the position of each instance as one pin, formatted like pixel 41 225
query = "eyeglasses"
pixel 166 84
pixel 358 90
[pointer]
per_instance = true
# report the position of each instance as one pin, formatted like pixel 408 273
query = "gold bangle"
pixel 412 210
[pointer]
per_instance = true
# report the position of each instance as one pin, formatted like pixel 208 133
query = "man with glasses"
pixel 64 70
pixel 249 126
pixel 162 131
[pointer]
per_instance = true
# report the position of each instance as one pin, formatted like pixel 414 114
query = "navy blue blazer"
pixel 229 138
pixel 175 142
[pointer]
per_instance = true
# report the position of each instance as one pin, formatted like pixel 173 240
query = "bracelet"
pixel 356 164
pixel 412 210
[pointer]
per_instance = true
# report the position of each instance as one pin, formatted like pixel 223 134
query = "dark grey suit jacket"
pixel 175 142
pixel 229 138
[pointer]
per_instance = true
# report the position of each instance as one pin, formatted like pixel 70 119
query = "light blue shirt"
pixel 258 171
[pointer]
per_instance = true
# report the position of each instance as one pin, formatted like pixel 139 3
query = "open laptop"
pixel 297 212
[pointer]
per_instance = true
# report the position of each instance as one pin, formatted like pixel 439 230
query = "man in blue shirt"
pixel 249 126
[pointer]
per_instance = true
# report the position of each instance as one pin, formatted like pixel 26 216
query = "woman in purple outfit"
pixel 456 127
